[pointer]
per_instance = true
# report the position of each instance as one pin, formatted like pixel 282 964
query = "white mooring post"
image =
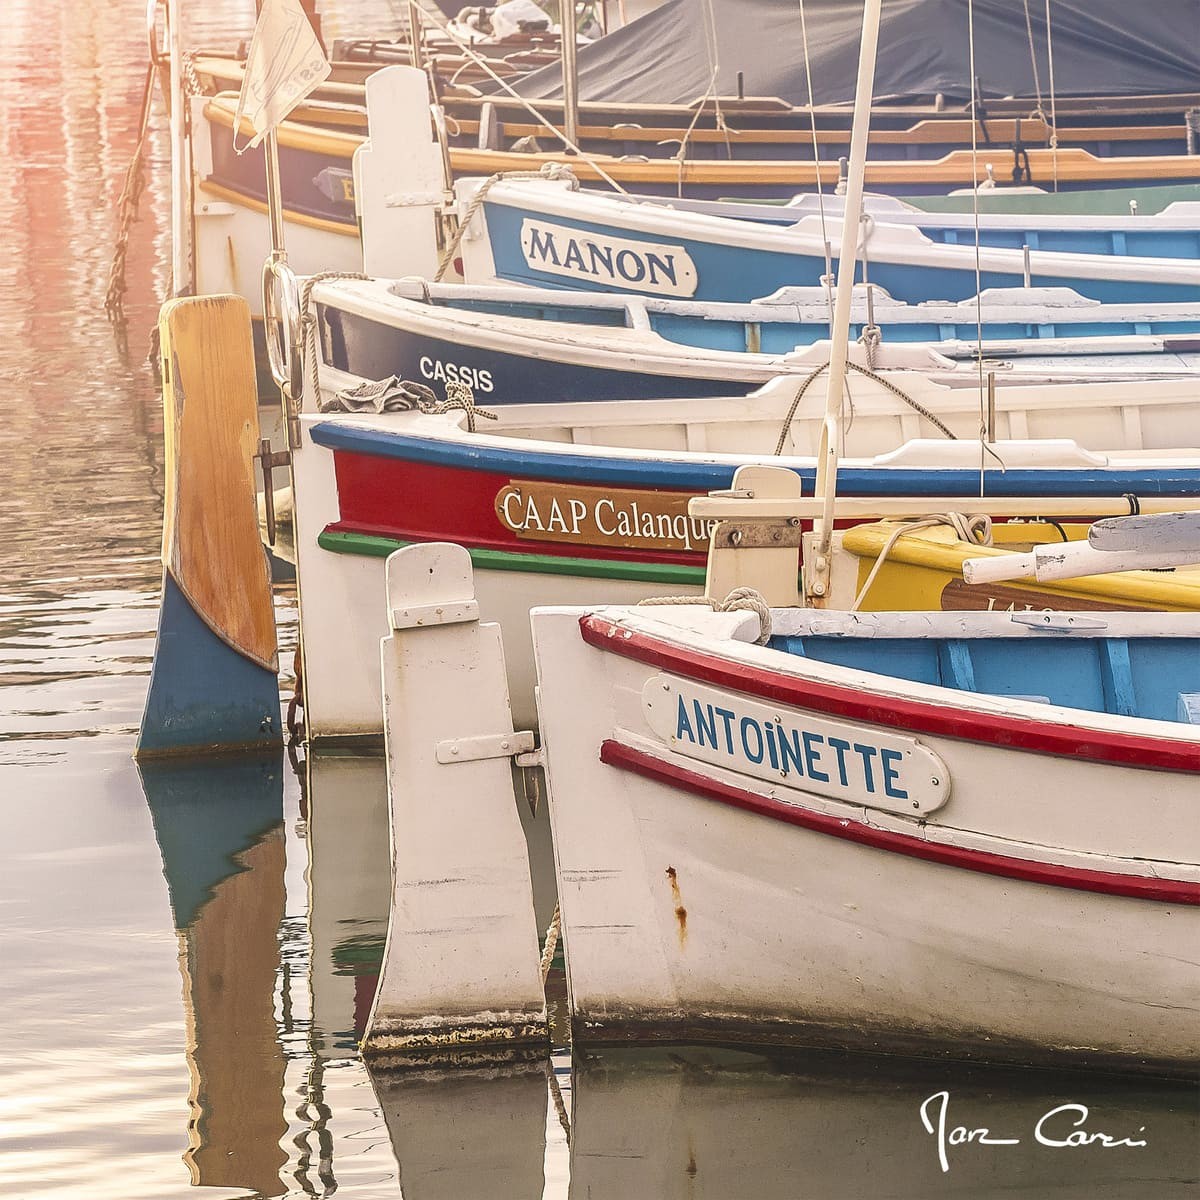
pixel 461 969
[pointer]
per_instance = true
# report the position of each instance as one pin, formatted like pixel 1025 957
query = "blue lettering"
pixel 682 723
pixel 727 716
pixel 841 747
pixel 666 265
pixel 886 758
pixel 707 730
pixel 602 254
pixel 573 258
pixel 771 752
pixel 866 753
pixel 813 757
pixel 790 749
pixel 626 272
pixel 755 755
pixel 541 245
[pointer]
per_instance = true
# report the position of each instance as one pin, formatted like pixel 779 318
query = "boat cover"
pixel 1109 47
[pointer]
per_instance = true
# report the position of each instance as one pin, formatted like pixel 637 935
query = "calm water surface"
pixel 187 956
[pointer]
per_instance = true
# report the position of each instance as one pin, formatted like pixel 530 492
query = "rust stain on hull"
pixel 680 911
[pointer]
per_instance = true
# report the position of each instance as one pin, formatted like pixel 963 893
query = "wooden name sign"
pixel 595 516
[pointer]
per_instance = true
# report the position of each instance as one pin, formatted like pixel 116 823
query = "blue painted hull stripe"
pixel 701 476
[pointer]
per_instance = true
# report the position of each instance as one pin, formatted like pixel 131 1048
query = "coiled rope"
pixel 743 599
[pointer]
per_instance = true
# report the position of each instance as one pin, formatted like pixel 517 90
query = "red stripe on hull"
pixel 418 502
pixel 1171 891
pixel 913 716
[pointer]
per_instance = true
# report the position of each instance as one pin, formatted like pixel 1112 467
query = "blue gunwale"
pixel 706 476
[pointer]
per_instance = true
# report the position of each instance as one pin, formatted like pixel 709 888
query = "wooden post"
pixel 214 683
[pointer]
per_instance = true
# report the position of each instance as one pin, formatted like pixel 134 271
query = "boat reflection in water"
pixel 349 887
pixel 693 1123
pixel 220 830
pixel 279 1099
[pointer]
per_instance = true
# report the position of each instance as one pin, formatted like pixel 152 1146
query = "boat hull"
pixel 700 902
pixel 365 487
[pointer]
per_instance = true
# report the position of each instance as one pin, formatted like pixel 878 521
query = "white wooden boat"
pixel 552 233
pixel 367 485
pixel 511 344
pixel 948 833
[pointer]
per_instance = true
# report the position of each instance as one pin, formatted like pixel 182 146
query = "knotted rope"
pixel 548 171
pixel 394 394
pixel 975 528
pixel 743 599
pixel 308 328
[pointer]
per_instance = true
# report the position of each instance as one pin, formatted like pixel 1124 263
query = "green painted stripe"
pixel 539 564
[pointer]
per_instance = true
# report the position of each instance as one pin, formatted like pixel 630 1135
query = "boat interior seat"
pixel 1134 677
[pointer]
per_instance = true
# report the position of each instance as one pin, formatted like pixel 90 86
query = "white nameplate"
pixel 615 262
pixel 854 763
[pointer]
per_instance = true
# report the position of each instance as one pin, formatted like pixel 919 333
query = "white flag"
pixel 285 63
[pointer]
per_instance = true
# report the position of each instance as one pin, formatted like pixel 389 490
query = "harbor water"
pixel 188 954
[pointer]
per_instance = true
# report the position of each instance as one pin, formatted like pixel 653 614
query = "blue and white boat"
pixel 523 345
pixel 1174 232
pixel 552 234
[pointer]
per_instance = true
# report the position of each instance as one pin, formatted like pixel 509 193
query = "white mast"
pixel 817 571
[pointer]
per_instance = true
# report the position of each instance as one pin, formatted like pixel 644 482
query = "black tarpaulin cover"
pixel 1101 47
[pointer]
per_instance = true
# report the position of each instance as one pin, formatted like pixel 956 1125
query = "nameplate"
pixel 595 516
pixel 603 261
pixel 796 751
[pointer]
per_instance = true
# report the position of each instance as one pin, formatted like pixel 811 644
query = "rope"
pixel 556 1095
pixel 187 69
pixel 976 529
pixel 1053 104
pixel 1037 86
pixel 978 265
pixel 439 20
pixel 552 932
pixel 308 327
pixel 812 119
pixel 916 406
pixel 548 171
pixel 127 214
pixel 710 92
pixel 394 394
pixel 743 599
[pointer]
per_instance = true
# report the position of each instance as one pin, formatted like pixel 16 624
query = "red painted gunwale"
pixel 1139 887
pixel 420 502
pixel 914 716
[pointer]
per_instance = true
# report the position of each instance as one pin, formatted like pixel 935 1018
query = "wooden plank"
pixel 211 545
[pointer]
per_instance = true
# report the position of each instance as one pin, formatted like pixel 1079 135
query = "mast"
pixel 817 572
pixel 570 71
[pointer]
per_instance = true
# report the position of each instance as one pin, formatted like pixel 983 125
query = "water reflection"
pixel 463 1134
pixel 685 1123
pixel 349 887
pixel 220 830
pixel 696 1123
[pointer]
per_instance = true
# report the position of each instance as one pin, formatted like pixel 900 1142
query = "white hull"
pixel 688 917
pixel 343 622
